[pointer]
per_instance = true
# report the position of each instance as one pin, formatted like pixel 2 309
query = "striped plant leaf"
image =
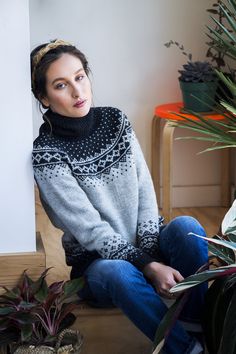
pixel 224 253
pixel 199 278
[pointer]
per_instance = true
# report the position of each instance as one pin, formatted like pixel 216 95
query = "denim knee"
pixel 179 249
pixel 186 224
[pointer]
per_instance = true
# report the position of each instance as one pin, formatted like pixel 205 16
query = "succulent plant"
pixel 197 71
pixel 193 71
pixel 36 313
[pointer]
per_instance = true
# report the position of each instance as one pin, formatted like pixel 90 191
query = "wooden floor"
pixel 95 326
pixel 209 217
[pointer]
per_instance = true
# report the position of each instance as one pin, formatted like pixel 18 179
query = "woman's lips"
pixel 80 104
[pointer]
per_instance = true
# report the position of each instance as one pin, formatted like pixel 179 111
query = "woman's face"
pixel 68 87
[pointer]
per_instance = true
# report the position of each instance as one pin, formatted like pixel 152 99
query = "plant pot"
pixel 69 341
pixel 197 96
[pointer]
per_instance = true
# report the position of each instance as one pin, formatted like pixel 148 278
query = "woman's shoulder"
pixel 109 111
pixel 43 140
pixel 111 115
pixel 45 144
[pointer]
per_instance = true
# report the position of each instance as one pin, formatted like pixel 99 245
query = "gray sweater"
pixel 95 186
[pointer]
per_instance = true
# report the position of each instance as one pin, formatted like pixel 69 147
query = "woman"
pixel 95 186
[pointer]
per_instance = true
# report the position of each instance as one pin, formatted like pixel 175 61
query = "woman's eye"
pixel 60 86
pixel 80 77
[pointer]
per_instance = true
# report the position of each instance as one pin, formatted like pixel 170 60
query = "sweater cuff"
pixel 139 259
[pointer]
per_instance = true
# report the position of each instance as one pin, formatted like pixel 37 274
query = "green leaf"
pixel 227 81
pixel 228 224
pixel 229 18
pixel 42 292
pixel 223 42
pixel 39 286
pixel 228 342
pixel 202 277
pixel 10 294
pixel 231 230
pixel 24 305
pixel 6 310
pixel 73 286
pixel 23 318
pixel 231 237
pixel 233 4
pixel 26 332
pixel 216 303
pixel 167 322
pixel 223 253
pixel 225 243
pixel 229 107
pixel 228 34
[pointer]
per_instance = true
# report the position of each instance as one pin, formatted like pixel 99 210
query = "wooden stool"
pixel 164 111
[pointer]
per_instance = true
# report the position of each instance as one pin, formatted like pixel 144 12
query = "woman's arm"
pixel 148 216
pixel 69 209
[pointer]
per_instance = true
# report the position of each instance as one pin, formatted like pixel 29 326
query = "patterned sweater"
pixel 95 186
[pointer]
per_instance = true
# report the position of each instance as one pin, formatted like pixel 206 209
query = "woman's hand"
pixel 162 277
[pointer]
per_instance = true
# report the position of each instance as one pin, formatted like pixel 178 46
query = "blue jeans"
pixel 119 283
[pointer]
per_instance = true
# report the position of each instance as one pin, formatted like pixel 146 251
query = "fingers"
pixel 167 295
pixel 178 277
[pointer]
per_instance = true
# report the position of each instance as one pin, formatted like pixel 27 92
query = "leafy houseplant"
pixel 197 80
pixel 35 316
pixel 220 308
pixel 219 320
pixel 217 57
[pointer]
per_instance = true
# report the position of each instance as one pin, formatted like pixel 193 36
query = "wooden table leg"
pixel 225 178
pixel 155 163
pixel 167 145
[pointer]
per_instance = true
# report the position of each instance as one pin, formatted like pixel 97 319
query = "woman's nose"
pixel 75 91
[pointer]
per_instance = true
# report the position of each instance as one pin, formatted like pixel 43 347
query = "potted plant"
pixel 198 82
pixel 220 134
pixel 220 307
pixel 35 317
pixel 219 319
pixel 215 55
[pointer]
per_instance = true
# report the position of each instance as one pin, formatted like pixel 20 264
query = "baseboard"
pixel 12 265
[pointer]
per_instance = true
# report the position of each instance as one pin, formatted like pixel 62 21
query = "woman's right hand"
pixel 162 277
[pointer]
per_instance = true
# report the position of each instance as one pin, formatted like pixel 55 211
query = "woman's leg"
pixel 119 283
pixel 186 254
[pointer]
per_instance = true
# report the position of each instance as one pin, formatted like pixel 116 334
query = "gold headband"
pixel 38 57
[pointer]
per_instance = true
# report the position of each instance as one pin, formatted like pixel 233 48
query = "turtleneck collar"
pixel 59 125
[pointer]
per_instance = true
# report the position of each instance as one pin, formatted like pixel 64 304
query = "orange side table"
pixel 164 111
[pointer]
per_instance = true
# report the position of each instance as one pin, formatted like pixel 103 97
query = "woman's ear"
pixel 44 102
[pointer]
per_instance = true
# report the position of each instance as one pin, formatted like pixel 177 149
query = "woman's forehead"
pixel 64 66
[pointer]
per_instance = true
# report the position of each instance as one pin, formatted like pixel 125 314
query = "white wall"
pixel 16 180
pixel 124 41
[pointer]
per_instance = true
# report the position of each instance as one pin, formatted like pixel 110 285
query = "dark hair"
pixel 39 70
